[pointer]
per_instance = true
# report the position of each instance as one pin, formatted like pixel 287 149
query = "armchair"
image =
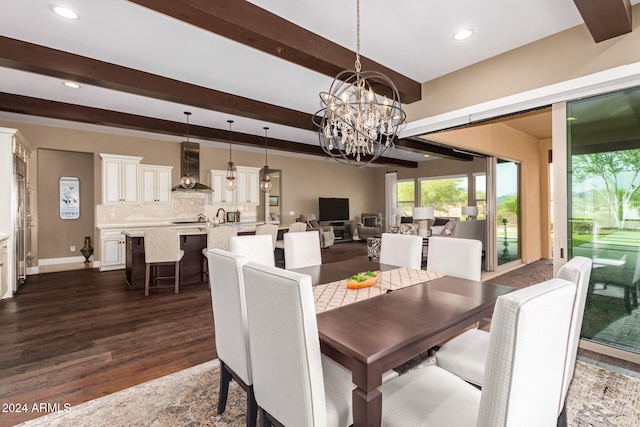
pixel 327 236
pixel 370 225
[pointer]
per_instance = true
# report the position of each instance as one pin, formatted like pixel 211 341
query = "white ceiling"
pixel 413 37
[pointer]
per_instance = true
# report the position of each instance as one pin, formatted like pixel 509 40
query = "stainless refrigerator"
pixel 22 207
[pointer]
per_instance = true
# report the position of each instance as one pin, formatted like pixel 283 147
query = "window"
pixel 480 181
pixel 446 195
pixel 406 196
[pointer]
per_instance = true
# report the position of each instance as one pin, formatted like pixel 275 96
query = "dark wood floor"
pixel 74 336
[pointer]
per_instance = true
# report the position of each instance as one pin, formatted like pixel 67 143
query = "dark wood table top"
pixel 372 336
pixel 327 273
pixel 376 328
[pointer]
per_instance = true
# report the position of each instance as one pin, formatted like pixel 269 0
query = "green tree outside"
pixel 604 172
pixel 444 195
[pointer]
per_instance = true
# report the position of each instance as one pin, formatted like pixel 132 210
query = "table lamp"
pixel 423 214
pixel 470 211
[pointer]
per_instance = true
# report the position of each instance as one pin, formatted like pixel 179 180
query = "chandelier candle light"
pixel 231 183
pixel 265 184
pixel 355 128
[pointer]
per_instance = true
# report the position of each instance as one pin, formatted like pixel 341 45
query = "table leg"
pixel 367 408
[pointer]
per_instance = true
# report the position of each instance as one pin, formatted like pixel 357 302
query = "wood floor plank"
pixel 72 336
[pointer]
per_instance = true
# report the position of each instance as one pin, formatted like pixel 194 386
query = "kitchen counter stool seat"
pixel 217 238
pixel 161 246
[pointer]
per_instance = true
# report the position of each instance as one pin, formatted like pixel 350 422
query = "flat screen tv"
pixel 333 209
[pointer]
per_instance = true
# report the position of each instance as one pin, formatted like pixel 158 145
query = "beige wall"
pixel 303 180
pixel 55 235
pixel 557 58
pixel 504 142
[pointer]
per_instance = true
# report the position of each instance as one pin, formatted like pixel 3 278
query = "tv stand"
pixel 342 230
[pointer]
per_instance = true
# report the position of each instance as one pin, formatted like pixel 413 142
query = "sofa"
pixel 370 225
pixel 327 236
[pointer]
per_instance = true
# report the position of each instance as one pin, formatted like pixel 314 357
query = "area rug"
pixel 597 397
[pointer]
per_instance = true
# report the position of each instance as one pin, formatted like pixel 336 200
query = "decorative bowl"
pixel 363 279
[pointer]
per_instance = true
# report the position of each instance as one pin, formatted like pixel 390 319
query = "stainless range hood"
pixel 190 165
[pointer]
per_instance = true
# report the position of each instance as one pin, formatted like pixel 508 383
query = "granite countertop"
pixel 183 230
pixel 244 226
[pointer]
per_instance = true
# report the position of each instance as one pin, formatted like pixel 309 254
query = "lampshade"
pixel 425 212
pixel 469 210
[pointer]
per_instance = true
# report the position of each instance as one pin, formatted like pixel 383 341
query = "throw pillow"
pixel 448 228
pixel 436 230
pixel 370 221
pixel 409 229
pixel 313 223
pixel 440 221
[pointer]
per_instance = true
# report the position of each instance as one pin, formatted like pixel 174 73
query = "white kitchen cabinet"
pixel 155 184
pixel 4 270
pixel 112 250
pixel 248 185
pixel 221 195
pixel 120 179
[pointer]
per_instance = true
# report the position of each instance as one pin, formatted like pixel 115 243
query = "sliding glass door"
pixel 603 148
pixel 507 211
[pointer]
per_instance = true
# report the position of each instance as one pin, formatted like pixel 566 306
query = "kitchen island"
pixel 192 241
pixel 193 238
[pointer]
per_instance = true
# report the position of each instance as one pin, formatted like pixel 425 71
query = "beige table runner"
pixel 336 294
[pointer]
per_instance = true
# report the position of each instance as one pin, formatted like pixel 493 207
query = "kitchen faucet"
pixel 223 215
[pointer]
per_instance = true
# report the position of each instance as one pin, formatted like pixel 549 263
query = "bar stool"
pixel 161 246
pixel 271 229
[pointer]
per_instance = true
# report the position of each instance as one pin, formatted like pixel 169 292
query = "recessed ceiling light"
pixel 426 155
pixel 570 119
pixel 463 34
pixel 65 12
pixel 72 85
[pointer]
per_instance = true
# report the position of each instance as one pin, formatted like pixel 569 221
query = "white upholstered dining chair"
pixel 294 384
pixel 161 246
pixel 402 250
pixel 302 249
pixel 257 248
pixel 455 256
pixel 524 369
pixel 466 354
pixel 231 333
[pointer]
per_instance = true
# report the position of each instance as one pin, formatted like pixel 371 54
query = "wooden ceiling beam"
pixel 76 113
pixel 605 19
pixel 421 145
pixel 253 26
pixel 20 55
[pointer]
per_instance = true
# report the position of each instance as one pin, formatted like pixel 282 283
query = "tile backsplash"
pixel 180 208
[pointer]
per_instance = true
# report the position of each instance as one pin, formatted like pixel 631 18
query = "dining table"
pixel 406 313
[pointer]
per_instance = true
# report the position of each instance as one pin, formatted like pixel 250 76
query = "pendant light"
pixel 187 180
pixel 265 184
pixel 231 183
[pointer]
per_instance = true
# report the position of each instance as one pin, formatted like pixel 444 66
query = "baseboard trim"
pixel 67 260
